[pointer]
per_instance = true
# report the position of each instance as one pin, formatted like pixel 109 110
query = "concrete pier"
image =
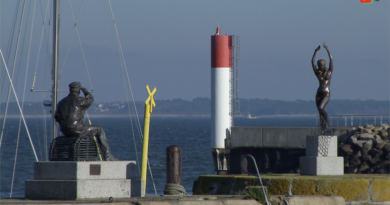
pixel 276 149
pixel 367 189
pixel 191 200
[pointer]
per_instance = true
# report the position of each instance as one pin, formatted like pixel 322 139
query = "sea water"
pixel 192 134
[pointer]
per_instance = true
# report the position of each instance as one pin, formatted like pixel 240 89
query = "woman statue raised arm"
pixel 323 92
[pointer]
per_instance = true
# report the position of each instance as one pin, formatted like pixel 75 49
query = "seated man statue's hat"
pixel 75 85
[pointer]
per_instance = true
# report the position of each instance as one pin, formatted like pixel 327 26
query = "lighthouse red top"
pixel 220 50
pixel 218 31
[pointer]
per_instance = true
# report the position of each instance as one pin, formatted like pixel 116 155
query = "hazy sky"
pixel 166 44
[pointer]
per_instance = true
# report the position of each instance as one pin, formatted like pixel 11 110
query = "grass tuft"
pixel 257 194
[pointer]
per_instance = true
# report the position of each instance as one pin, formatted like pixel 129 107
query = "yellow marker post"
pixel 97 146
pixel 149 104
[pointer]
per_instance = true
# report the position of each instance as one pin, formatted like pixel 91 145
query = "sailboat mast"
pixel 56 26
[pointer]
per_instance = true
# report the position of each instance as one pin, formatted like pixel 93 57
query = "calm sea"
pixel 191 134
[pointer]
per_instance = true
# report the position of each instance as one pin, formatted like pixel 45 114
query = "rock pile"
pixel 367 150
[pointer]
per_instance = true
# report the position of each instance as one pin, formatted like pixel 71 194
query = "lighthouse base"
pixel 221 157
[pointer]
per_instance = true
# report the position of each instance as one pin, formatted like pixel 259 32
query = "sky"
pixel 166 44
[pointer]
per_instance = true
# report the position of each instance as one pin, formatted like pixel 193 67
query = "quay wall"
pixel 354 188
pixel 277 149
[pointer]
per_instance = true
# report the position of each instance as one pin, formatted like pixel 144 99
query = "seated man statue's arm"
pixel 88 100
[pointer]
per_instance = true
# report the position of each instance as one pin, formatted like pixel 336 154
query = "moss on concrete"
pixel 351 187
pixel 304 187
pixel 214 185
pixel 242 182
pixel 380 190
pixel 277 186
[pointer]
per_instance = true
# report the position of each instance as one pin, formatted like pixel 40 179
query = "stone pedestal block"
pixel 318 146
pixel 322 165
pixel 137 188
pixel 321 157
pixel 78 189
pixel 73 170
pixel 69 180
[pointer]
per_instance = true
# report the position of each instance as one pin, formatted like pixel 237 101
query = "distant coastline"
pixel 201 107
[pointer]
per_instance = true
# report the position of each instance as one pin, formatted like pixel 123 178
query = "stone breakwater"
pixel 366 150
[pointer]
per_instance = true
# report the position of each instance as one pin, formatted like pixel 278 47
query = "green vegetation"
pixel 257 194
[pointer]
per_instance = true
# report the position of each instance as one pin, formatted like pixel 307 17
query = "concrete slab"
pixel 148 200
pixel 322 165
pixel 355 188
pixel 317 200
pixel 315 146
pixel 274 137
pixel 296 137
pixel 246 137
pixel 77 189
pixel 53 170
pixel 277 137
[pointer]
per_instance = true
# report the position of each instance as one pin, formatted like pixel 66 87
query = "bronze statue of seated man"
pixel 70 115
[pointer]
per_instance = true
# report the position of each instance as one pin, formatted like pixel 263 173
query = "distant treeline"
pixel 202 107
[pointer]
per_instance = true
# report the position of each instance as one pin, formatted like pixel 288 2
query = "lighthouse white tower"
pixel 224 96
pixel 221 117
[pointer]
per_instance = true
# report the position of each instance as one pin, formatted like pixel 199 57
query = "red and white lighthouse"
pixel 221 116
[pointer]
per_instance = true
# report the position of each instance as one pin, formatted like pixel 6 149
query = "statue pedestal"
pixel 321 157
pixel 82 180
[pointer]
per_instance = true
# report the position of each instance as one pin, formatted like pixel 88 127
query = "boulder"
pixel 352 139
pixel 380 145
pixel 360 143
pixel 365 136
pixel 352 132
pixel 386 148
pixel 365 130
pixel 355 161
pixel 368 126
pixel 375 152
pixel 378 139
pixel 363 167
pixel 346 162
pixel 377 129
pixel 386 164
pixel 385 126
pixel 384 134
pixel 374 160
pixel 366 157
pixel 367 145
pixel 346 149
pixel 379 170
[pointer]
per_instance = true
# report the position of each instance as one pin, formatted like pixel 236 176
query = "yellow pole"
pixel 149 104
pixel 97 146
pixel 145 143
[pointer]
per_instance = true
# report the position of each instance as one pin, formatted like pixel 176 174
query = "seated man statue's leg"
pixel 94 130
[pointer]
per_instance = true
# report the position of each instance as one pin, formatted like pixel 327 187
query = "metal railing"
pixel 357 120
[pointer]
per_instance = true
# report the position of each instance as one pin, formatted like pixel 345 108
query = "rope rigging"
pixel 127 95
pixel 10 43
pixel 131 91
pixel 24 92
pixel 20 109
pixel 81 47
pixel 12 75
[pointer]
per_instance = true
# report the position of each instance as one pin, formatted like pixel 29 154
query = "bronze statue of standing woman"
pixel 323 92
